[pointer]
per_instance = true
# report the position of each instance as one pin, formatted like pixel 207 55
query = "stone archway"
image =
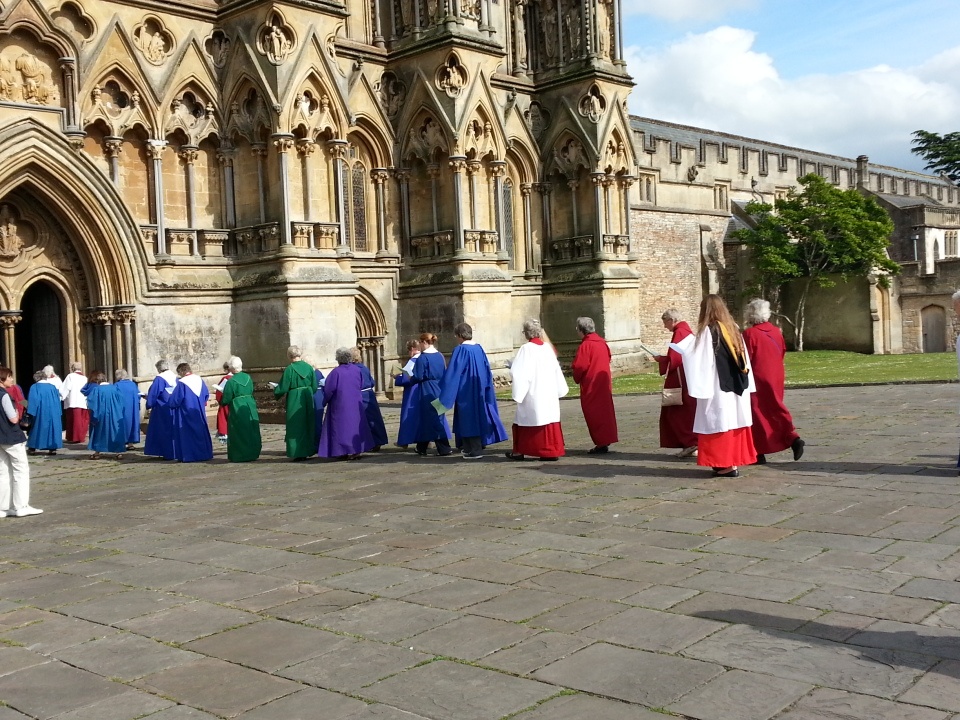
pixel 371 331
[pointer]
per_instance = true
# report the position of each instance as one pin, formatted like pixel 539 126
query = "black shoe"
pixel 550 459
pixel 513 456
pixel 797 447
pixel 599 450
pixel 730 474
pixel 421 453
pixel 761 459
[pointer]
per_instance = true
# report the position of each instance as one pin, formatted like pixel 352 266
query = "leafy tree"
pixel 814 232
pixel 942 152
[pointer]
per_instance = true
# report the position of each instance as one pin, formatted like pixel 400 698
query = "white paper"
pixel 273 384
pixel 647 350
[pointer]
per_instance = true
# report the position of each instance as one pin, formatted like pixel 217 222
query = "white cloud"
pixel 717 81
pixel 676 10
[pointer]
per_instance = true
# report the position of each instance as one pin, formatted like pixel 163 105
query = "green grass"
pixel 821 367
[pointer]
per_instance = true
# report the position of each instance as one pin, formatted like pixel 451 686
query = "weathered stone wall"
pixel 837 318
pixel 920 291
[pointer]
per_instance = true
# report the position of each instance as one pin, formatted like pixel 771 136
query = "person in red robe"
pixel 676 421
pixel 224 410
pixel 591 371
pixel 773 428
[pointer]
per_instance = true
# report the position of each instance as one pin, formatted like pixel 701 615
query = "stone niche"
pixel 29 72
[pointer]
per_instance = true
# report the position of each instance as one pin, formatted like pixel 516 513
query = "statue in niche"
pixel 452 78
pixel 218 46
pixel 548 21
pixel 592 105
pixel 537 119
pixel 392 93
pixel 34 80
pixel 10 242
pixel 407 22
pixel 8 81
pixel 571 155
pixel 149 38
pixel 433 11
pixel 470 9
pixel 520 34
pixel 571 20
pixel 605 27
pixel 276 44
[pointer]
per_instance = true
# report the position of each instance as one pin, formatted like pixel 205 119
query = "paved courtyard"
pixel 402 588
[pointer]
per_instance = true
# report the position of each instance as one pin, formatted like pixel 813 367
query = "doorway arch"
pixel 933 320
pixel 41 333
pixel 371 331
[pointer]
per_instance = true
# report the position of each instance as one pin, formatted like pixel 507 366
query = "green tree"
pixel 942 152
pixel 813 232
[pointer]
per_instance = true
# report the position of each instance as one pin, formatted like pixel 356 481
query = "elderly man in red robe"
pixel 676 421
pixel 773 428
pixel 591 371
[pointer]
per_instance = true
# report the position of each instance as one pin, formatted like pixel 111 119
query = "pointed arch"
pixel 123 107
pixel 313 109
pixel 30 16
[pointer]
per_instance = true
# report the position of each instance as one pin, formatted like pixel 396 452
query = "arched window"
pixel 508 235
pixel 950 243
pixel 355 201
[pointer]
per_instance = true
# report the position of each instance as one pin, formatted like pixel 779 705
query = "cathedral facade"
pixel 191 180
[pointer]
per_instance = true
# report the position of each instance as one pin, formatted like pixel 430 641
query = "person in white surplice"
pixel 719 376
pixel 538 385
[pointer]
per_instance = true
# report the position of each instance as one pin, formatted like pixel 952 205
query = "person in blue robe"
pixel 131 406
pixel 467 387
pixel 346 432
pixel 371 408
pixel 188 402
pixel 428 371
pixel 106 404
pixel 43 403
pixel 319 403
pixel 160 426
pixel 409 410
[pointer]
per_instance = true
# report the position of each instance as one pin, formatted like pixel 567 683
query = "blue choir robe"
pixel 191 434
pixel 409 409
pixel 107 430
pixel 426 425
pixel 371 408
pixel 131 409
pixel 467 386
pixel 44 404
pixel 160 426
pixel 319 403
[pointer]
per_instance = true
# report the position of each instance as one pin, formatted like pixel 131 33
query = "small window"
pixel 950 243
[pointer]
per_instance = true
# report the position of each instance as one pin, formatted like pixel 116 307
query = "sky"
pixel 850 78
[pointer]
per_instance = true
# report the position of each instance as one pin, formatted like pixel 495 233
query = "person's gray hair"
pixel 48 371
pixel 586 325
pixel 38 376
pixel 756 312
pixel 162 366
pixel 463 331
pixel 672 314
pixel 235 364
pixel 344 355
pixel 75 366
pixel 120 374
pixel 294 352
pixel 956 296
pixel 532 329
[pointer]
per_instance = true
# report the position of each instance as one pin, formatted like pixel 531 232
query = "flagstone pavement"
pixel 619 587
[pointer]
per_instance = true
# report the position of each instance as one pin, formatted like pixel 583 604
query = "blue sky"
pixel 850 78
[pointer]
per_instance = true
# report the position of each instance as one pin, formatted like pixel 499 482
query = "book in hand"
pixel 273 385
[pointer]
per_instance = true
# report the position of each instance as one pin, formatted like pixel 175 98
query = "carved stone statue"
pixel 149 38
pixel 276 44
pixel 520 34
pixel 10 241
pixel 548 22
pixel 574 28
pixel 592 105
pixel 452 77
pixel 605 27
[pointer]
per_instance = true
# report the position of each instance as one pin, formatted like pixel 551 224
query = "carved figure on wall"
pixel 548 21
pixel 605 27
pixel 470 9
pixel 570 156
pixel 218 47
pixel 153 41
pixel 452 77
pixel 520 34
pixel 407 22
pixel 28 79
pixel 8 81
pixel 392 93
pixel 593 105
pixel 275 40
pixel 10 242
pixel 537 119
pixel 573 27
pixel 433 12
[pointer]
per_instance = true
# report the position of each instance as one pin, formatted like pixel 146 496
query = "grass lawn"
pixel 823 367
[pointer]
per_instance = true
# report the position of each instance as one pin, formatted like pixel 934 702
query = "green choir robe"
pixel 243 422
pixel 299 382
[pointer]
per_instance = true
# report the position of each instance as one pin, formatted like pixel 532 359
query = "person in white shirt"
pixel 76 416
pixel 14 466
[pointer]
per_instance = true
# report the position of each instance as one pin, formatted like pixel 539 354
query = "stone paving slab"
pixel 402 588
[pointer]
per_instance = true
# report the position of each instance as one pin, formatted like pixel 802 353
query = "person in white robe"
pixel 538 385
pixel 719 376
pixel 76 416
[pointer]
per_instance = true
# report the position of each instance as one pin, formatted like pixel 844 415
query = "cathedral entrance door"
pixel 39 335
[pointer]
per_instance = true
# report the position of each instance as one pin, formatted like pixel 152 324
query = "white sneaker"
pixel 6 513
pixel 25 511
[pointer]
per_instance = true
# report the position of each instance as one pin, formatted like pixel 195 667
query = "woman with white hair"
pixel 160 425
pixel 346 433
pixel 43 403
pixel 243 420
pixel 298 384
pixel 538 385
pixel 773 428
pixel 676 421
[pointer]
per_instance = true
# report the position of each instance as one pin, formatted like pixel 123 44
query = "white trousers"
pixel 15 472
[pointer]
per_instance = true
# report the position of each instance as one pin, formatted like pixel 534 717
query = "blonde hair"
pixel 713 311
pixel 428 337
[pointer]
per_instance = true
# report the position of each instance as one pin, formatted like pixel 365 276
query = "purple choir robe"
pixel 191 434
pixel 345 429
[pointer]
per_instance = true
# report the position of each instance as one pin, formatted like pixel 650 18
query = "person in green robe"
pixel 243 422
pixel 299 382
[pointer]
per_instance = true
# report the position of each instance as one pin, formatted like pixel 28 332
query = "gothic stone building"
pixel 193 179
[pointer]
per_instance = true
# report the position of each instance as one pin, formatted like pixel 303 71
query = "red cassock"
pixel 676 421
pixel 591 371
pixel 773 428
pixel 224 411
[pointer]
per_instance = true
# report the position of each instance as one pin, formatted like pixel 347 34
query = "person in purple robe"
pixel 160 426
pixel 346 432
pixel 371 408
pixel 467 386
pixel 188 401
pixel 131 406
pixel 107 431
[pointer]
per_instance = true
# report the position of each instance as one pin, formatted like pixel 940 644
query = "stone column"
pixel 305 148
pixel 625 182
pixel 545 189
pixel 260 151
pixel 473 169
pixel 403 179
pixel 8 322
pixel 607 182
pixel 616 50
pixel 125 314
pixel 573 185
pixel 598 180
pixel 525 190
pixel 155 149
pixel 377 25
pixel 104 318
pixel 225 157
pixel 111 148
pixel 284 144
pixel 498 170
pixel 379 177
pixel 433 170
pixel 458 164
pixel 189 155
pixel 338 151
pixel 68 70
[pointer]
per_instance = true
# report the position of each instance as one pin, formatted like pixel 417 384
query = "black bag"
pixel 26 422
